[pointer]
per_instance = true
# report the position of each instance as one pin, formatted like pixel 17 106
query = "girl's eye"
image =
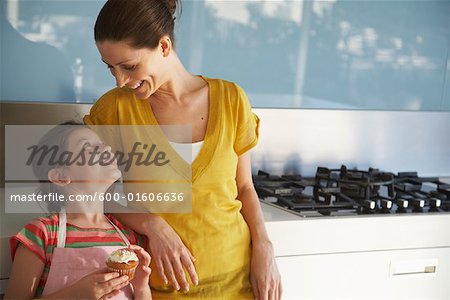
pixel 87 145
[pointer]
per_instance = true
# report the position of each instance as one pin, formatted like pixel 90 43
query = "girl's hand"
pixel 142 273
pixel 97 285
pixel 264 275
pixel 171 255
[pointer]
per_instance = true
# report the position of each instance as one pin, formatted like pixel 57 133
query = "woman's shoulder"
pixel 227 91
pixel 105 110
pixel 223 84
pixel 116 94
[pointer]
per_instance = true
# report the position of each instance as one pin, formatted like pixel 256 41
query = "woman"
pixel 222 244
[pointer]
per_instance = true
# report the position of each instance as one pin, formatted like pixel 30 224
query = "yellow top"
pixel 215 231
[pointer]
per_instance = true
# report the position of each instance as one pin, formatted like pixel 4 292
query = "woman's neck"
pixel 180 83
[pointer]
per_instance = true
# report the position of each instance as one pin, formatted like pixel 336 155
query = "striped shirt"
pixel 40 237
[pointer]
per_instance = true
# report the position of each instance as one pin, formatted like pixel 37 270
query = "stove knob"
pixel 332 199
pixel 419 203
pixel 386 204
pixel 369 204
pixel 402 203
pixel 271 199
pixel 283 191
pixel 435 203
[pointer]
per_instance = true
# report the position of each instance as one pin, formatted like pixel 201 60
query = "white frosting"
pixel 123 256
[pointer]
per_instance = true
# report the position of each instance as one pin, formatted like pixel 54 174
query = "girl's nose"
pixel 105 147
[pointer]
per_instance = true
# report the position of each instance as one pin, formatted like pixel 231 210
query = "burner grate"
pixel 334 192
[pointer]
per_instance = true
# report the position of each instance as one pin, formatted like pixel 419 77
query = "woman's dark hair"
pixel 55 137
pixel 141 23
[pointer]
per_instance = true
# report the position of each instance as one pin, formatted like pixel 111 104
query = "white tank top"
pixel 187 151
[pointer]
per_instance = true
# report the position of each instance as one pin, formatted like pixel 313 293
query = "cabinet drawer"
pixel 396 274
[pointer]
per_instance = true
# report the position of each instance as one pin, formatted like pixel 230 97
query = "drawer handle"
pixel 409 267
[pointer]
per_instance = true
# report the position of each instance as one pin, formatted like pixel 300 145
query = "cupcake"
pixel 123 261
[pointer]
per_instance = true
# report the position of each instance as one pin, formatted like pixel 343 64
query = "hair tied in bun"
pixel 171 6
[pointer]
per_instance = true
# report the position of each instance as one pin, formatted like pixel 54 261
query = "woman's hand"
pixel 264 275
pixel 171 255
pixel 142 273
pixel 96 285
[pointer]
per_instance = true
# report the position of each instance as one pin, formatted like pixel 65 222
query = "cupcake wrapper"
pixel 128 272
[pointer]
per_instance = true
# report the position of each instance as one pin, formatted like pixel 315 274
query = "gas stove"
pixel 352 192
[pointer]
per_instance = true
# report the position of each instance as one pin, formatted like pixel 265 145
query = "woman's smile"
pixel 136 85
pixel 139 89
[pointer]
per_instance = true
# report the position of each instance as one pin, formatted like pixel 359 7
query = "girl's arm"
pixel 265 278
pixel 26 272
pixel 100 284
pixel 142 274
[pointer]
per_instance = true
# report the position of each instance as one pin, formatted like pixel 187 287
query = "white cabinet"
pixel 396 274
pixel 390 257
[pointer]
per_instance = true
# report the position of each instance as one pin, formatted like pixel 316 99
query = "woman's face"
pixel 141 70
pixel 95 167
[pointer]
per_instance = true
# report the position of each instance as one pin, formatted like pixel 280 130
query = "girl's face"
pixel 141 70
pixel 95 167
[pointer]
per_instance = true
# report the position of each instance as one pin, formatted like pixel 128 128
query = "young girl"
pixel 63 255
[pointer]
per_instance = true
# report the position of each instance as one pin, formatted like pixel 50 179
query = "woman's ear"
pixel 165 44
pixel 58 177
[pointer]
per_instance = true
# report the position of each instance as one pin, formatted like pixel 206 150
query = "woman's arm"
pixel 251 209
pixel 167 250
pixel 266 280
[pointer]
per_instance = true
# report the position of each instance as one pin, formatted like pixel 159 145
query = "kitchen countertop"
pixel 295 235
pixel 277 214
